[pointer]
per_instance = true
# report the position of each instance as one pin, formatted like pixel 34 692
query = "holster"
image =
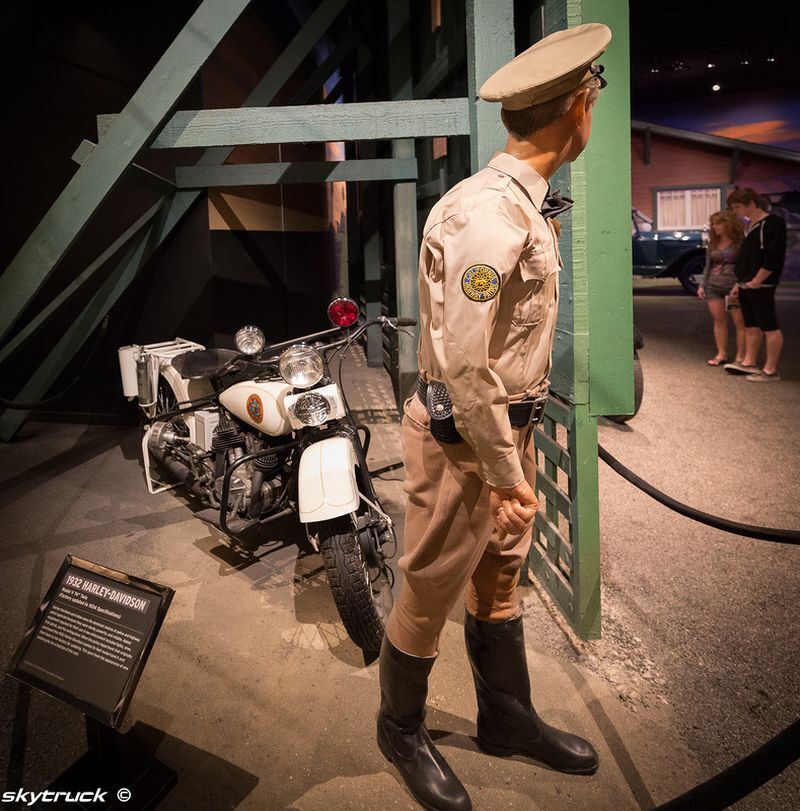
pixel 440 409
pixel 528 411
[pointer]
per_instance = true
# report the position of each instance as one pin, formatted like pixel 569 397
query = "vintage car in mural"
pixel 679 254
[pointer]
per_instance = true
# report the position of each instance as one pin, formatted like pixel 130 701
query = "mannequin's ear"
pixel 579 108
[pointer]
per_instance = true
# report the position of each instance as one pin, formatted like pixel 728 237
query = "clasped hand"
pixel 513 508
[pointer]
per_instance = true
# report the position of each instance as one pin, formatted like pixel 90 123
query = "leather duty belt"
pixel 520 413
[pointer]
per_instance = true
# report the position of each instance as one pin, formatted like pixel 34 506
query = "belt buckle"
pixel 537 410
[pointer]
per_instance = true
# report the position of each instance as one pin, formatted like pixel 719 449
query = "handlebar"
pixel 269 353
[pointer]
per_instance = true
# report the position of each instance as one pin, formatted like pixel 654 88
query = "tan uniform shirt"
pixel 488 300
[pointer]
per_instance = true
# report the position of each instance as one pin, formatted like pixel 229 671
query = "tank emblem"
pixel 255 408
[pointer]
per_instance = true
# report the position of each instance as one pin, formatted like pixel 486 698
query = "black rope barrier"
pixel 743 777
pixel 761 533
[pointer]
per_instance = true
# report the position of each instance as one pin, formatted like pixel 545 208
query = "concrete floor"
pixel 254 694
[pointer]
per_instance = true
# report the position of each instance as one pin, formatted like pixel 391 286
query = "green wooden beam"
pixel 151 180
pixel 132 130
pixel 490 45
pixel 268 174
pixel 360 121
pixel 34 325
pixel 122 274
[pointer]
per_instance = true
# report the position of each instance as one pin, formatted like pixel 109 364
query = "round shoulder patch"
pixel 480 283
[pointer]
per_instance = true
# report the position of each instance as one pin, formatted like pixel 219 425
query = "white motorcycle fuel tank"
pixel 260 405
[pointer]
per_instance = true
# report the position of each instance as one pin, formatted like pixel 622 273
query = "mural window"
pixel 686 208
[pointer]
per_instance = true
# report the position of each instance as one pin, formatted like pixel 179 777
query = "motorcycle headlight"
pixel 301 366
pixel 249 340
pixel 312 409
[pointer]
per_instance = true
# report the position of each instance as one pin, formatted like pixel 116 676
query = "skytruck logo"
pixel 32 798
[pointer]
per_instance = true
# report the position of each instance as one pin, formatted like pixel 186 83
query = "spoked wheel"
pixel 167 401
pixel 362 594
pixel 165 398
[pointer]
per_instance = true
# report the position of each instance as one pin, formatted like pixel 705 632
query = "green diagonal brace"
pixel 31 328
pixel 133 129
pixel 123 273
pixel 289 60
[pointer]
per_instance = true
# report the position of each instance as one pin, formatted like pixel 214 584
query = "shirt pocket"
pixel 530 306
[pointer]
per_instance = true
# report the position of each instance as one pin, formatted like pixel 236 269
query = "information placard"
pixel 91 637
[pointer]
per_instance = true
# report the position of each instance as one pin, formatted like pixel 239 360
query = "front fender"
pixel 326 480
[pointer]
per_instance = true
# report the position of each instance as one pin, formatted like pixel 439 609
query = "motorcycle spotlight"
pixel 301 366
pixel 343 312
pixel 312 409
pixel 249 340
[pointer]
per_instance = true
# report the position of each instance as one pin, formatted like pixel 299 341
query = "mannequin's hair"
pixel 521 124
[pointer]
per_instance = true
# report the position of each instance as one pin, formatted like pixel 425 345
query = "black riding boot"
pixel 402 736
pixel 507 723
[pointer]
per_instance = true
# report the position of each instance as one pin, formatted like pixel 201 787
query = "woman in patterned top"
pixel 726 235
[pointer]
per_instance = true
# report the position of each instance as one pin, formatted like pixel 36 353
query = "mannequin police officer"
pixel 488 285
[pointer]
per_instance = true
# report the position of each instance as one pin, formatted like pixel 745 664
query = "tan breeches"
pixel 449 542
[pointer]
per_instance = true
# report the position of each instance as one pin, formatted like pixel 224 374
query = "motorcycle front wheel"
pixel 360 598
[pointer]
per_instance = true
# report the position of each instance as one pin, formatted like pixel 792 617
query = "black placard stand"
pixel 114 763
pixel 87 646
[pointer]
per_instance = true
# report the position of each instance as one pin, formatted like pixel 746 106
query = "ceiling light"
pixel 745 60
pixel 715 87
pixel 712 62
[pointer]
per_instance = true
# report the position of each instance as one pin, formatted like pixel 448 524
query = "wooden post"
pixel 372 294
pixel 490 44
pixel 406 246
pixel 593 352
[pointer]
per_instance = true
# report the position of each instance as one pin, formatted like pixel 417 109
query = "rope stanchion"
pixel 743 777
pixel 787 536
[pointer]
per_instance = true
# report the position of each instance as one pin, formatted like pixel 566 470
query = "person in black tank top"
pixel 758 270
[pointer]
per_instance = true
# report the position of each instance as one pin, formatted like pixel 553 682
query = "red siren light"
pixel 343 312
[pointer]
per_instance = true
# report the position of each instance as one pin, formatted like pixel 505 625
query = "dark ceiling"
pixel 673 43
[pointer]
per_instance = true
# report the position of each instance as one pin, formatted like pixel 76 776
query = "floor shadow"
pixel 94 441
pixel 205 780
pixel 613 739
pixel 621 427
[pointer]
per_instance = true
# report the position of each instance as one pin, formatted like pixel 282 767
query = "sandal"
pixel 716 361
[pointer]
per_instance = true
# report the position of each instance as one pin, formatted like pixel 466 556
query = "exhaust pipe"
pixel 179 471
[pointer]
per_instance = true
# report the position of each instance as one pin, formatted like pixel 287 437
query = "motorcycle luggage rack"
pixel 167 350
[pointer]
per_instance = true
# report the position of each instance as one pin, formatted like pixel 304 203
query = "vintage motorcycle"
pixel 266 432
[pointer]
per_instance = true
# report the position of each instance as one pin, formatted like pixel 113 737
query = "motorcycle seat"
pixel 202 363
